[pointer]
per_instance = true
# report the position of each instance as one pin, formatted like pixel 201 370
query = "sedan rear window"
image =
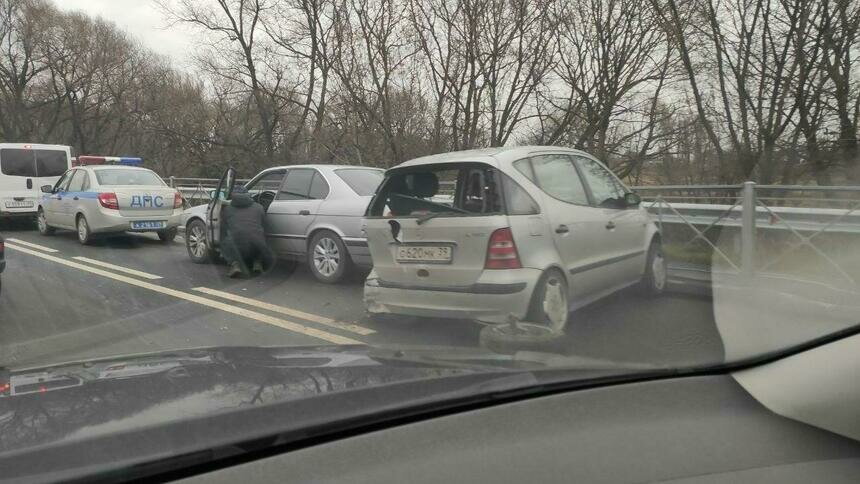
pixel 120 176
pixel 363 182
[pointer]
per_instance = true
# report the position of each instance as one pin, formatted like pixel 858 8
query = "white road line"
pixel 354 328
pixel 263 318
pixel 35 246
pixel 118 268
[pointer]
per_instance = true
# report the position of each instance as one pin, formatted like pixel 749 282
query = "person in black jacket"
pixel 244 242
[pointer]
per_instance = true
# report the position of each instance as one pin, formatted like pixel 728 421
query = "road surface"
pixel 133 294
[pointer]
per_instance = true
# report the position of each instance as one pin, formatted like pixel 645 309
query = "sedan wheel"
pixel 195 242
pixel 327 257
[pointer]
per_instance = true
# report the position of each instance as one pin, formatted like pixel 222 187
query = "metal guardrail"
pixel 799 212
pixel 750 211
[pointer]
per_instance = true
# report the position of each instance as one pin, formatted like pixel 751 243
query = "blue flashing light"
pixel 129 161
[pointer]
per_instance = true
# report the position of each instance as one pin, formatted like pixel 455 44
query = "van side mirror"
pixel 632 200
pixel 47 189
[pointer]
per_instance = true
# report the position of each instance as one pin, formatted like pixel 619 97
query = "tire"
pixel 167 235
pixel 503 338
pixel 545 308
pixel 654 280
pixel 85 236
pixel 327 257
pixel 42 224
pixel 196 243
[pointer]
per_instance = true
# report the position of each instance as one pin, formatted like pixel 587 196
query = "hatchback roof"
pixel 485 154
pixel 323 166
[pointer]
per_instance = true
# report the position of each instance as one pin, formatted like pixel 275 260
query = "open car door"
pixel 220 198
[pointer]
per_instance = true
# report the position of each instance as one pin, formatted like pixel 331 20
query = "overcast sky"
pixel 143 20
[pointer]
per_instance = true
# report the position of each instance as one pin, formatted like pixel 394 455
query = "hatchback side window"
pixel 605 189
pixel 86 184
pixel 556 175
pixel 77 183
pixel 297 185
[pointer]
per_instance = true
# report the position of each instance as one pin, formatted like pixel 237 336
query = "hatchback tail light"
pixel 109 201
pixel 502 251
pixel 177 200
pixel 2 246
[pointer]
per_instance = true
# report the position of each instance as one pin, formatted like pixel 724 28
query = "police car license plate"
pixel 148 225
pixel 19 204
pixel 424 253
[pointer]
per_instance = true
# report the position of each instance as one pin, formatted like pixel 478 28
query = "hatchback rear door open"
pixel 431 225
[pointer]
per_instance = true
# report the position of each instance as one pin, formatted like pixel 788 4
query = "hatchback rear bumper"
pixel 491 299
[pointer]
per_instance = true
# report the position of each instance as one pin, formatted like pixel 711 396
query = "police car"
pixel 105 195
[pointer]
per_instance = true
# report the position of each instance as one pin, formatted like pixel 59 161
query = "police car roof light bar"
pixel 108 160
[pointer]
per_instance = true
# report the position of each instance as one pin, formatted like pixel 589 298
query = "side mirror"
pixel 212 194
pixel 632 200
pixel 47 189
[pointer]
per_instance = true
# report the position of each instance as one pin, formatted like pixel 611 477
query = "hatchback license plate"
pixel 424 253
pixel 148 225
pixel 19 204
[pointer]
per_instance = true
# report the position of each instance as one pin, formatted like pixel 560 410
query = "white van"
pixel 24 167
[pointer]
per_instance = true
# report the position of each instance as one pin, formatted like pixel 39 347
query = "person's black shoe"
pixel 235 270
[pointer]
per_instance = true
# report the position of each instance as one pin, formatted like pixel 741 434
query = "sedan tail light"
pixel 502 251
pixel 177 200
pixel 109 201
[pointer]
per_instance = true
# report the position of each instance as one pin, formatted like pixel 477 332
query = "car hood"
pixel 63 421
pixel 90 398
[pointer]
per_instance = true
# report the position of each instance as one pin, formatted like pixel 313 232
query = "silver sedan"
pixel 99 199
pixel 313 213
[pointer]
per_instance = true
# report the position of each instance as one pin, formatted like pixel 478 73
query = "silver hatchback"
pixel 313 213
pixel 532 232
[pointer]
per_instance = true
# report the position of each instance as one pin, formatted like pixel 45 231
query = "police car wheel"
pixel 42 223
pixel 167 235
pixel 327 257
pixel 84 235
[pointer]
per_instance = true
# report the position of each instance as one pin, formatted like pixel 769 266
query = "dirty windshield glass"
pixel 287 201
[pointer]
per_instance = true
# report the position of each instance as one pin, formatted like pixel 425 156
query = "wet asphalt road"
pixel 60 302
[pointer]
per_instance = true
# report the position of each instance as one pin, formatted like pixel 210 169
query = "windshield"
pixel 280 200
pixel 120 176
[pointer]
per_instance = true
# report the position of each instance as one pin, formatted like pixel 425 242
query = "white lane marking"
pixel 133 272
pixel 288 311
pixel 35 246
pixel 263 318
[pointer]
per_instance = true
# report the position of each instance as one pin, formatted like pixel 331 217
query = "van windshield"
pixel 33 163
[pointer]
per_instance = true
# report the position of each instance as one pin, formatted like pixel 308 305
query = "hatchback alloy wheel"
pixel 554 303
